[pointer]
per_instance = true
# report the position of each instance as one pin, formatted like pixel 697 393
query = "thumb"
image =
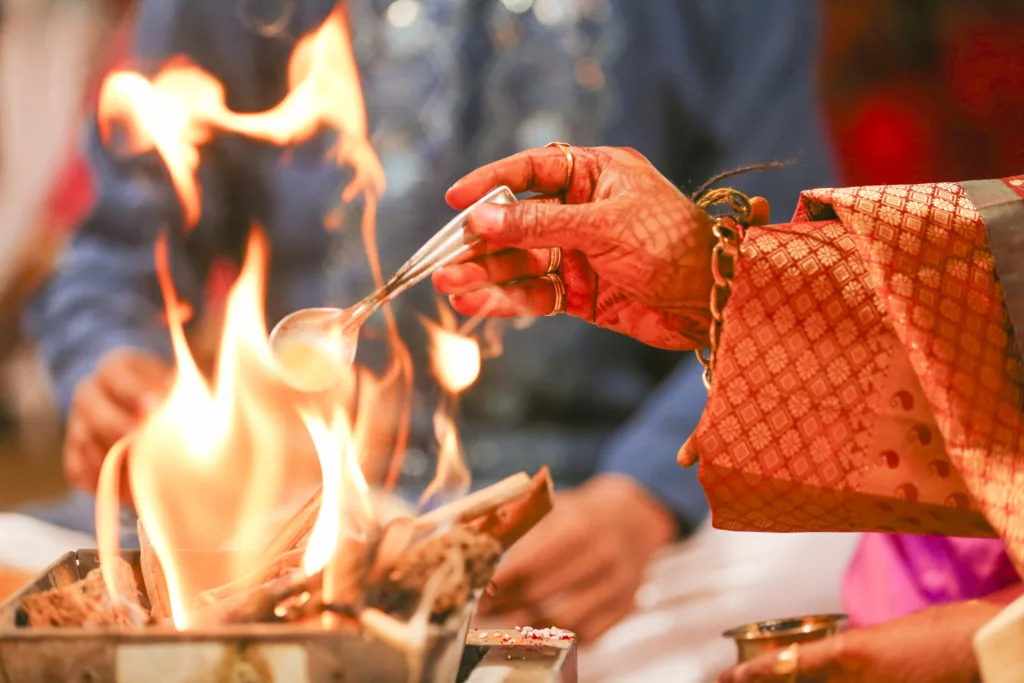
pixel 536 224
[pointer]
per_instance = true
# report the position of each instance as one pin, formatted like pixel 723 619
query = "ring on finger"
pixel 558 284
pixel 554 260
pixel 787 662
pixel 570 160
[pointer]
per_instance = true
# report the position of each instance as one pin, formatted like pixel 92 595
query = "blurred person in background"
pixel 46 50
pixel 698 87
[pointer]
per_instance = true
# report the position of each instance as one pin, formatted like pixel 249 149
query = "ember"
pixel 207 469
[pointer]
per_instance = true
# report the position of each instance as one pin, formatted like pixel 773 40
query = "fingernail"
pixel 487 219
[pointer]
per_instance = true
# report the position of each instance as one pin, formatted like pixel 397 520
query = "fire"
pixel 344 488
pixel 164 115
pixel 181 108
pixel 455 360
pixel 207 468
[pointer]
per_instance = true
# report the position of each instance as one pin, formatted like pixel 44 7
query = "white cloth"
pixel 712 582
pixel 29 545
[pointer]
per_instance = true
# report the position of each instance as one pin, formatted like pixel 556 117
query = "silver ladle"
pixel 314 340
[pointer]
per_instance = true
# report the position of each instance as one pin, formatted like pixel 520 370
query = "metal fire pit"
pixel 256 653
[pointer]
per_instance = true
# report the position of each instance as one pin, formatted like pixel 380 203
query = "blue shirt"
pixel 698 86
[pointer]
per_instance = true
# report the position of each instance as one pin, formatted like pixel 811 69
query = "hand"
pixel 934 644
pixel 580 568
pixel 125 387
pixel 636 253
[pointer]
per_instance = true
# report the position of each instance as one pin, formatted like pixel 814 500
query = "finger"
pixel 541 550
pixel 105 419
pixel 83 459
pixel 533 583
pixel 135 380
pixel 819 661
pixel 498 268
pixel 606 598
pixel 74 469
pixel 599 624
pixel 483 247
pixel 532 297
pixel 535 225
pixel 79 443
pixel 596 625
pixel 570 570
pixel 544 170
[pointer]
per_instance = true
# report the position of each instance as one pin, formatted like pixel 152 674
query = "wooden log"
pixel 258 603
pixel 478 503
pixel 512 521
pixel 300 525
pixel 285 563
pixel 87 603
pixel 404 533
pixel 390 568
pixel 474 554
pixel 153 578
pixel 295 530
pixel 345 575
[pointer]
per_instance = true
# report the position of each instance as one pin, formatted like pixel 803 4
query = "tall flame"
pixel 207 468
pixel 205 464
pixel 344 488
pixel 455 361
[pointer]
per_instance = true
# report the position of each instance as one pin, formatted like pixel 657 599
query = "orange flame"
pixel 204 465
pixel 206 468
pixel 343 482
pixel 455 360
pixel 179 109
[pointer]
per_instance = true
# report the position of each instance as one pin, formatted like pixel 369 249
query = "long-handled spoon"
pixel 313 340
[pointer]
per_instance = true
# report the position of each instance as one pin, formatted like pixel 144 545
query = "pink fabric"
pixel 892 576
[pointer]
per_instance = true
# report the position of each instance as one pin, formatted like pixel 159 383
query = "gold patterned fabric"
pixel 868 378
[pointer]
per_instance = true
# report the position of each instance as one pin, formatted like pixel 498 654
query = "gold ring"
pixel 554 260
pixel 560 293
pixel 570 161
pixel 787 662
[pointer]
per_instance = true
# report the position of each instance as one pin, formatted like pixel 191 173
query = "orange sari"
pixel 869 376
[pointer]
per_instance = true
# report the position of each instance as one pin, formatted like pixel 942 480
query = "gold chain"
pixel 729 230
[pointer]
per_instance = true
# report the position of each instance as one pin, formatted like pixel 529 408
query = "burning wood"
pixel 285 552
pixel 88 603
pixel 389 573
pixel 153 578
pixel 392 569
pixel 209 465
pixel 474 555
pixel 510 521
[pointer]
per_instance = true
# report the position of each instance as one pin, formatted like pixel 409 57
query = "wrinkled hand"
pixel 580 568
pixel 126 386
pixel 636 251
pixel 934 644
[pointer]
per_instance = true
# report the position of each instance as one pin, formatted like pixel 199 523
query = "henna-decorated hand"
pixel 636 253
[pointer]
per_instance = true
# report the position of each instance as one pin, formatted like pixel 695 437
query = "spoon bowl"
pixel 316 346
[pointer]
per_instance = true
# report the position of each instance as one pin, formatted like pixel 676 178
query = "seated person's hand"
pixel 934 644
pixel 581 567
pixel 127 385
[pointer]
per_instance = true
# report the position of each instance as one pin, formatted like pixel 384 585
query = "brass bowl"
pixel 777 634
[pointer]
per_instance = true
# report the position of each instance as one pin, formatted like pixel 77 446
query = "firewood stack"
pixel 436 561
